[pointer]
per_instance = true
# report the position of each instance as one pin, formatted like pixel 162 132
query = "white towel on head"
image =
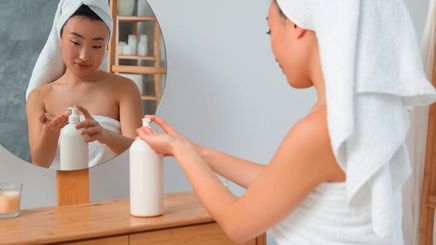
pixel 373 73
pixel 50 65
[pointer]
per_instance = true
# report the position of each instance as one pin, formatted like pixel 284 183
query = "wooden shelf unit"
pixel 136 18
pixel 136 57
pixel 156 70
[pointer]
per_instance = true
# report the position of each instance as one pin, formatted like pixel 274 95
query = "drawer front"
pixel 206 234
pixel 118 240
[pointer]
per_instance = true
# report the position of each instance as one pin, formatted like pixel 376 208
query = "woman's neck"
pixel 317 78
pixel 73 79
pixel 320 105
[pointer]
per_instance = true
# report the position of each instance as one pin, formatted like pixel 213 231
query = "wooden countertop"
pixel 99 219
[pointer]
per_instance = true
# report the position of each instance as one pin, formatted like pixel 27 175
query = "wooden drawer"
pixel 118 240
pixel 206 234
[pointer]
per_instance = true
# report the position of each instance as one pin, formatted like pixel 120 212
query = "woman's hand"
pixel 163 143
pixel 91 127
pixel 53 122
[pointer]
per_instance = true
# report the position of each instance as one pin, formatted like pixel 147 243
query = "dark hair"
pixel 280 10
pixel 85 11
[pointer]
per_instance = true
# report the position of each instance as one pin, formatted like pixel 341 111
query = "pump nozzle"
pixel 74 115
pixel 146 122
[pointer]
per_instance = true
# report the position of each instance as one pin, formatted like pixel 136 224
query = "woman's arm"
pixel 44 130
pixel 116 142
pixel 131 110
pixel 299 165
pixel 93 131
pixel 239 171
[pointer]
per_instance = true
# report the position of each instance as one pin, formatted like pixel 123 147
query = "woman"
pixel 110 104
pixel 332 180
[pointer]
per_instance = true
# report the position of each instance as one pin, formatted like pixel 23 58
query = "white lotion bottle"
pixel 73 147
pixel 146 179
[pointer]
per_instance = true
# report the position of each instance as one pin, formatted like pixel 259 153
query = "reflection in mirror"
pixel 110 83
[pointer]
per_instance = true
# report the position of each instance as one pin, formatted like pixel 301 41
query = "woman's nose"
pixel 84 54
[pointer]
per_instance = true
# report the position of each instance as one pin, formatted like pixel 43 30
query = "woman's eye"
pixel 75 43
pixel 268 32
pixel 96 47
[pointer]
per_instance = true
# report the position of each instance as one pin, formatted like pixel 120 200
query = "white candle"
pixel 121 48
pixel 126 50
pixel 132 42
pixel 143 38
pixel 142 48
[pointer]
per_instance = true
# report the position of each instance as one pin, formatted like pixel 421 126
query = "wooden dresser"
pixel 185 222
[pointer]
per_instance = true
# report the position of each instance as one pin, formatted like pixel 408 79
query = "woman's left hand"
pixel 91 128
pixel 162 143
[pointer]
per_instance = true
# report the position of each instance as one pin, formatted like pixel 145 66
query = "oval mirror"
pixel 111 82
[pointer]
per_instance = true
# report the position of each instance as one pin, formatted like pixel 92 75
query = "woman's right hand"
pixel 53 122
pixel 163 143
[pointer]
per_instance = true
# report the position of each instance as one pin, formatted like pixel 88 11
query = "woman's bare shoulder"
pixel 121 84
pixel 40 93
pixel 118 80
pixel 314 124
pixel 312 136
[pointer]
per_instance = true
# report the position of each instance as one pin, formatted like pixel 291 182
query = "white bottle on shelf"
pixel 146 179
pixel 143 38
pixel 121 48
pixel 73 147
pixel 143 45
pixel 132 42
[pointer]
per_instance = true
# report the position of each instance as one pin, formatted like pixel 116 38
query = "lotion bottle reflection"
pixel 73 147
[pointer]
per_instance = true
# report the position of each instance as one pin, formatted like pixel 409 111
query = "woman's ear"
pixel 299 31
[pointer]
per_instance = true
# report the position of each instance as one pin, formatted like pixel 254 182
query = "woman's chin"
pixel 300 85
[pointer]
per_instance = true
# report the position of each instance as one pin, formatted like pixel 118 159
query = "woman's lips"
pixel 82 65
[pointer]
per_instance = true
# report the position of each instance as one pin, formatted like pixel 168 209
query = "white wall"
pixel 418 11
pixel 223 90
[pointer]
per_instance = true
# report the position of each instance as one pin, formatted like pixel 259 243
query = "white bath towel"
pixel 373 72
pixel 50 65
pixel 324 218
pixel 98 153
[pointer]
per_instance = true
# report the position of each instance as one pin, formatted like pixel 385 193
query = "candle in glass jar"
pixel 9 202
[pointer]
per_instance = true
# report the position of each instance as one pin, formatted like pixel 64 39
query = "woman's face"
pixel 84 44
pixel 290 45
